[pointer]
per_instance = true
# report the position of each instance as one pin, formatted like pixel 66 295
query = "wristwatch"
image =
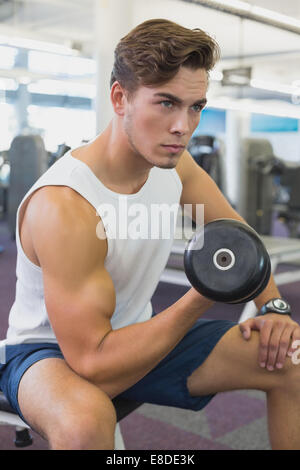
pixel 276 306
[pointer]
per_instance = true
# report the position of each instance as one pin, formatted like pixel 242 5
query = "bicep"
pixel 80 316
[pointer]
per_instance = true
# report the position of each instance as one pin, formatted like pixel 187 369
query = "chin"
pixel 163 162
pixel 167 165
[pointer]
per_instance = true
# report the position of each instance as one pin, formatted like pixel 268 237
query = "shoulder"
pixel 60 201
pixel 60 216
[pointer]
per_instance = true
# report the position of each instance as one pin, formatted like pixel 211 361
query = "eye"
pixel 166 104
pixel 197 108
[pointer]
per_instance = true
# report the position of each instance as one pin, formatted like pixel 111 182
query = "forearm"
pixel 270 292
pixel 129 353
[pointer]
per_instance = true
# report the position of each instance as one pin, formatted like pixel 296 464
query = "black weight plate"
pixel 259 289
pixel 218 281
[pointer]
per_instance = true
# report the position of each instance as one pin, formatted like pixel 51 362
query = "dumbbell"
pixel 226 261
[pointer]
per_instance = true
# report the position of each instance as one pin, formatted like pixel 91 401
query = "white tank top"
pixel 135 265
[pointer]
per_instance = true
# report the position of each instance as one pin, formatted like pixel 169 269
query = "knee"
pixel 84 433
pixel 88 427
pixel 288 378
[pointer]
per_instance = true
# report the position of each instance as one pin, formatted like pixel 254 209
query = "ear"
pixel 118 98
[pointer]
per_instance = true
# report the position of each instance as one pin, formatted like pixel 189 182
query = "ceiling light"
pixel 38 45
pixel 274 15
pixel 273 86
pixel 250 106
pixel 234 4
pixel 246 10
pixel 293 89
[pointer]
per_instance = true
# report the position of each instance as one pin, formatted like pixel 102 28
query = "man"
pixel 81 330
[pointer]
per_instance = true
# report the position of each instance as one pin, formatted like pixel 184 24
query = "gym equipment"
pixel 257 167
pixel 289 210
pixel 28 161
pixel 4 182
pixel 283 252
pixel 61 150
pixel 226 261
pixel 205 150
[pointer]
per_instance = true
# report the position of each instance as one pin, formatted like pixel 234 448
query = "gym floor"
pixel 232 420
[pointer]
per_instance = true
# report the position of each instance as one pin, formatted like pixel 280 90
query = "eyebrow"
pixel 174 98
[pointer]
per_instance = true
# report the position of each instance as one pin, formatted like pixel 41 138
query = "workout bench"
pixel 24 439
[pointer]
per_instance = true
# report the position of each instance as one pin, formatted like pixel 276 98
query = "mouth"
pixel 174 148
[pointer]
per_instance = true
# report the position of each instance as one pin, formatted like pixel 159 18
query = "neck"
pixel 114 162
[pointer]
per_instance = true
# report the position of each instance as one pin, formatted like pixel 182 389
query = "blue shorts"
pixel 166 384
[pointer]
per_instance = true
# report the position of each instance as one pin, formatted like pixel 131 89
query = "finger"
pixel 246 327
pixel 274 344
pixel 284 346
pixel 265 333
pixel 251 324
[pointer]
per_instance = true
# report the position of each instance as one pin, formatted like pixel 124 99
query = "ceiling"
pixel 60 21
pixel 274 54
pixel 73 20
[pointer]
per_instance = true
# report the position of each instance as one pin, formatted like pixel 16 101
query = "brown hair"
pixel 153 52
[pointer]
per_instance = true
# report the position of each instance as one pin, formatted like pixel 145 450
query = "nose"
pixel 180 125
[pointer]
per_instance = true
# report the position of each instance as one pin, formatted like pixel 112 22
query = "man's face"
pixel 159 121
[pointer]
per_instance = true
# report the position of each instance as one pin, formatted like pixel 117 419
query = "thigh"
pixel 233 365
pixel 166 384
pixel 51 394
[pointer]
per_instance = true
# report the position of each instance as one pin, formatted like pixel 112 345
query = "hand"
pixel 277 334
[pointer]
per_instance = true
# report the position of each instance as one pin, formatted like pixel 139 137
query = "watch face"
pixel 281 304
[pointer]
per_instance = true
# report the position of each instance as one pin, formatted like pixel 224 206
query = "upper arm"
pixel 79 292
pixel 200 188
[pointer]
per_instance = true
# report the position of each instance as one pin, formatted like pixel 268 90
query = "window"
pixel 62 125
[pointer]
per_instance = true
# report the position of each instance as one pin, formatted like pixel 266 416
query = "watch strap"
pixel 269 308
